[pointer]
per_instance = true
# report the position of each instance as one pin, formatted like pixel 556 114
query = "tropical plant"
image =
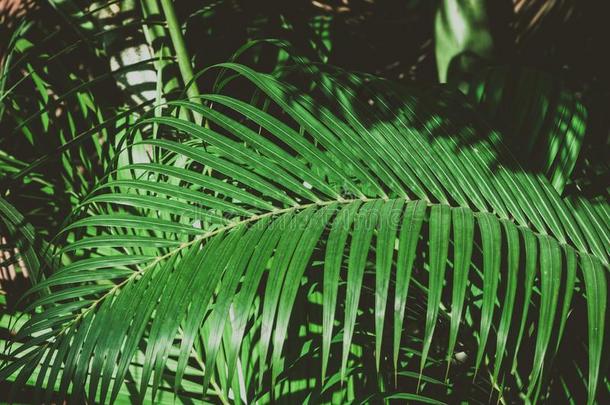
pixel 312 234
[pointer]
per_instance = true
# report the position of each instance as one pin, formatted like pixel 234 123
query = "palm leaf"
pixel 272 191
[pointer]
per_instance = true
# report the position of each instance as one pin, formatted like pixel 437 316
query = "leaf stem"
pixel 182 56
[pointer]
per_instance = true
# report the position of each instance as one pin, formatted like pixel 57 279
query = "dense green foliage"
pixel 273 228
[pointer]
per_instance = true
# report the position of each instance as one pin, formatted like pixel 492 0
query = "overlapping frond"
pixel 543 121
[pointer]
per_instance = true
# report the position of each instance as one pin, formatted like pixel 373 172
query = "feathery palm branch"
pixel 198 264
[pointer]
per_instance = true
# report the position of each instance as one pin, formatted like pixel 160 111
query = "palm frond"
pixel 202 258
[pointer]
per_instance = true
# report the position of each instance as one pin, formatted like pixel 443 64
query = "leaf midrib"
pixel 290 209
